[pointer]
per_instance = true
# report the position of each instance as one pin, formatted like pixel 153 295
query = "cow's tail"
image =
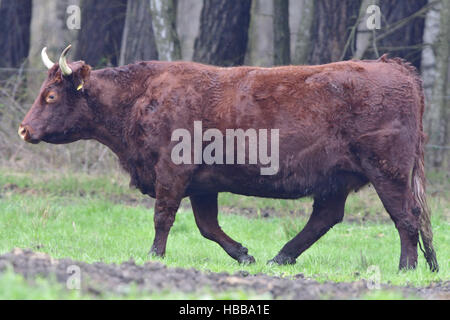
pixel 419 187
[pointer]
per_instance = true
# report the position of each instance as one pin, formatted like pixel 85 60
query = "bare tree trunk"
pixel 302 44
pixel 15 18
pixel 138 40
pixel 51 31
pixel 100 36
pixel 438 125
pixel 260 34
pixel 164 13
pixel 188 23
pixel 428 63
pixel 364 36
pixel 281 33
pixel 332 25
pixel 223 32
pixel 406 41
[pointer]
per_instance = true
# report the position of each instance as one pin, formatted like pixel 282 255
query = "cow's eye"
pixel 50 98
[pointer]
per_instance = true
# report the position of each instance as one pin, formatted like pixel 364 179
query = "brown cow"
pixel 341 126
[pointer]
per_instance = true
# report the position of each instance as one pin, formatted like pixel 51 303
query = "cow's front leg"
pixel 168 198
pixel 165 211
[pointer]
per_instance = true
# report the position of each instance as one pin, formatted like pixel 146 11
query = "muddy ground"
pixel 154 277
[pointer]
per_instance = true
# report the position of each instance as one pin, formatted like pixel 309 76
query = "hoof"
pixel 281 259
pixel 155 254
pixel 246 259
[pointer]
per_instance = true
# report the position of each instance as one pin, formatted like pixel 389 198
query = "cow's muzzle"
pixel 27 134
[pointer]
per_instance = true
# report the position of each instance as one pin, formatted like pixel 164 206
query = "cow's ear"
pixel 81 77
pixel 80 74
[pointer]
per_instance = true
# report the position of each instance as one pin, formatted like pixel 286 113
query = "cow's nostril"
pixel 23 132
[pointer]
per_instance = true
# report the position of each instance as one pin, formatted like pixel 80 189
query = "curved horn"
pixel 65 69
pixel 45 59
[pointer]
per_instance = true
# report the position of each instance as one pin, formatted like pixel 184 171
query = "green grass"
pixel 47 213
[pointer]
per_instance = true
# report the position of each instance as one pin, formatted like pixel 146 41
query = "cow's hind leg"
pixel 387 158
pixel 205 212
pixel 326 213
pixel 398 201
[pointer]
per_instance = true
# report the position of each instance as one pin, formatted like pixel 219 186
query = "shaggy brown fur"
pixel 341 125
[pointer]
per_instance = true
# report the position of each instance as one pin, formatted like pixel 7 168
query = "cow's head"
pixel 60 112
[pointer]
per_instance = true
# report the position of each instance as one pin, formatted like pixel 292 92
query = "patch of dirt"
pixel 154 277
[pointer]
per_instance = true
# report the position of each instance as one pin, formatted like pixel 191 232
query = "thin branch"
pixel 399 24
pixel 354 29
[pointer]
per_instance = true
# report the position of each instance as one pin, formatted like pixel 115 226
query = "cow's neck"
pixel 106 100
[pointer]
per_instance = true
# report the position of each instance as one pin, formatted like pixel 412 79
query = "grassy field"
pixel 98 218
